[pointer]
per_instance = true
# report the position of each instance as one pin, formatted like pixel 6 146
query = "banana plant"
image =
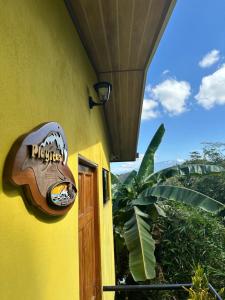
pixel 136 205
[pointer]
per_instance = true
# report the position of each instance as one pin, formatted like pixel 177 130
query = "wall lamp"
pixel 103 90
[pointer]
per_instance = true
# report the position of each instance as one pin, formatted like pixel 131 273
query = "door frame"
pixel 83 161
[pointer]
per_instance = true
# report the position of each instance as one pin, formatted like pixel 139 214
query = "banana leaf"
pixel 144 200
pixel 141 246
pixel 184 170
pixel 184 195
pixel 147 165
pixel 130 177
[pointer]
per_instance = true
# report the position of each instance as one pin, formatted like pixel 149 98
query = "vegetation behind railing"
pixel 209 294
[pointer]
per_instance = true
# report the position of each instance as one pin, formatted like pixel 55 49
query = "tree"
pixel 136 206
pixel 212 185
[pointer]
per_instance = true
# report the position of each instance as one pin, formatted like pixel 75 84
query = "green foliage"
pixel 114 179
pixel 200 289
pixel 190 237
pixel 211 185
pixel 135 204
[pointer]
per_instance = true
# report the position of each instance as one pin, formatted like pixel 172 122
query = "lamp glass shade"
pixel 103 90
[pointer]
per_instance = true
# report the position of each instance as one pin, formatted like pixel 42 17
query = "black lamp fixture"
pixel 103 89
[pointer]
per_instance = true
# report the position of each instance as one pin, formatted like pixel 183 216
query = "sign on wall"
pixel 40 165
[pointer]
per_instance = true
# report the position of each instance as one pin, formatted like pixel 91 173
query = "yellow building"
pixel 51 55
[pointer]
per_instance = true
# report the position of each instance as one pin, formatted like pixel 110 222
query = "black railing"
pixel 155 287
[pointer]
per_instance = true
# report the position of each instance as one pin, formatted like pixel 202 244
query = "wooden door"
pixel 89 249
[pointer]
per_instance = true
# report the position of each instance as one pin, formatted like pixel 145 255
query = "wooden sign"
pixel 40 165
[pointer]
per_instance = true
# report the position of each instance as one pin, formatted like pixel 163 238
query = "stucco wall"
pixel 45 76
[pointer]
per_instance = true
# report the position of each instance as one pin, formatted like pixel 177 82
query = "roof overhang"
pixel 120 37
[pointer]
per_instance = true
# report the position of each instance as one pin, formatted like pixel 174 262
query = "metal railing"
pixel 155 287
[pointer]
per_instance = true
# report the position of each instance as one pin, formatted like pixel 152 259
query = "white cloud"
pixel 172 95
pixel 209 59
pixel 148 89
pixel 149 110
pixel 180 160
pixel 212 89
pixel 165 72
pixel 118 168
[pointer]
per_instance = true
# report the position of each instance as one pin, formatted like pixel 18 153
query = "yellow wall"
pixel 45 76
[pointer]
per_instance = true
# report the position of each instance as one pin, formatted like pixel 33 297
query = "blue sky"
pixel 185 86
